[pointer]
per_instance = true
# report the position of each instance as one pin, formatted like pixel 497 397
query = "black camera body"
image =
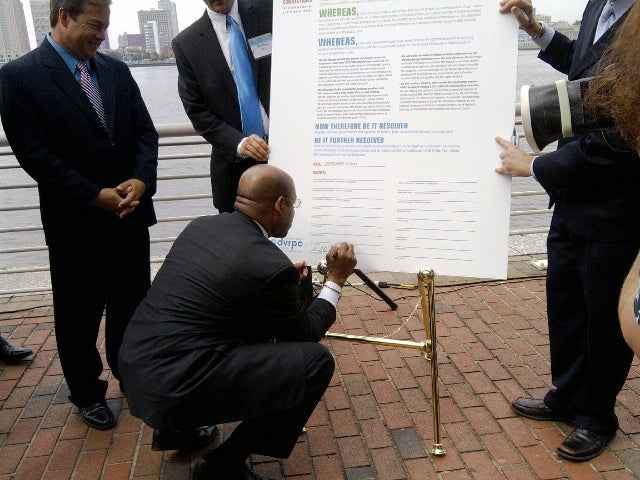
pixel 554 111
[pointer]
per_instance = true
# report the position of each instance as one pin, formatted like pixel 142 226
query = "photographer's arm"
pixel 626 308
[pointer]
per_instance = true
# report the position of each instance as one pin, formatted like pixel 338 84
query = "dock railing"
pixel 183 186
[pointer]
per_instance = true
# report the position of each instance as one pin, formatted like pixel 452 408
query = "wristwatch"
pixel 541 32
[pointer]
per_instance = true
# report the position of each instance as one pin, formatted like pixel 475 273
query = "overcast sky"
pixel 124 17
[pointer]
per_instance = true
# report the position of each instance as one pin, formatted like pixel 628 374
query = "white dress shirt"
pixel 219 22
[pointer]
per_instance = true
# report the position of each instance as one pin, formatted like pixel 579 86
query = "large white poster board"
pixel 385 112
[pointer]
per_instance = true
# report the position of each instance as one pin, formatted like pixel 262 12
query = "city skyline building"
pixel 152 37
pixel 161 31
pixel 14 32
pixel 40 14
pixel 131 40
pixel 170 7
pixel 14 36
pixel 131 46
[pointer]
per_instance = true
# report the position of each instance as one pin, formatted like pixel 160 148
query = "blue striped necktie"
pixel 91 90
pixel 247 94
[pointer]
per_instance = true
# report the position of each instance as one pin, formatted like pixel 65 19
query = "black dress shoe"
pixel 202 471
pixel 537 410
pixel 582 445
pixel 193 439
pixel 98 416
pixel 11 354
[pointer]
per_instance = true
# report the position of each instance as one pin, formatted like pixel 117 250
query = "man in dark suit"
pixel 207 86
pixel 593 240
pixel 223 334
pixel 77 124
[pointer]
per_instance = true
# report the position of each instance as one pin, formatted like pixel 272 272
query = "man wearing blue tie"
pixel 224 67
pixel 593 240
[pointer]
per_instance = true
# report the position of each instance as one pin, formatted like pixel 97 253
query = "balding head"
pixel 267 194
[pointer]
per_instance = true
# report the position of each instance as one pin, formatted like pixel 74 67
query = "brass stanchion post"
pixel 426 284
pixel 428 348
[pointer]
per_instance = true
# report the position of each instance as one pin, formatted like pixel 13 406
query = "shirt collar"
pixel 262 229
pixel 219 20
pixel 70 60
pixel 621 6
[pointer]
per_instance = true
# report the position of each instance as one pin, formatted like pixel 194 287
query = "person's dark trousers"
pixel 590 360
pixel 109 271
pixel 225 176
pixel 276 434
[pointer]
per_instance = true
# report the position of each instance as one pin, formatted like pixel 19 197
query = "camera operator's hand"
pixel 515 161
pixel 341 260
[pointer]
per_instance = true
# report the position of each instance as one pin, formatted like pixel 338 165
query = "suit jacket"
pixel 209 95
pixel 578 58
pixel 223 285
pixel 594 187
pixel 58 139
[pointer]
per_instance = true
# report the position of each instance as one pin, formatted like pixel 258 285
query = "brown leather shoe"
pixel 582 445
pixel 537 410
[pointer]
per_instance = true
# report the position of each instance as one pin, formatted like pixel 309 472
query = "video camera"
pixel 555 111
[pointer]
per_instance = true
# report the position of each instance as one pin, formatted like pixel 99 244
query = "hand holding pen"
pixel 341 260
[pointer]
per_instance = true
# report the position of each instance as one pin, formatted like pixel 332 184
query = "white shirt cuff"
pixel 330 292
pixel 544 41
pixel 239 148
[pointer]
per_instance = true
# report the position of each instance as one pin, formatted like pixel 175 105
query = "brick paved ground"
pixel 375 421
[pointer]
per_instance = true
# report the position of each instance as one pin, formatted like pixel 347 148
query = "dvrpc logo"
pixel 288 244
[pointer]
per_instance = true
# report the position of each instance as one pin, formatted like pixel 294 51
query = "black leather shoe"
pixel 582 445
pixel 98 416
pixel 537 410
pixel 11 354
pixel 184 440
pixel 202 471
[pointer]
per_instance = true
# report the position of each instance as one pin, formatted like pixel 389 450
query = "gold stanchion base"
pixel 438 450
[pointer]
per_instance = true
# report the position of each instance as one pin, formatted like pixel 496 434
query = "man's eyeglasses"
pixel 296 202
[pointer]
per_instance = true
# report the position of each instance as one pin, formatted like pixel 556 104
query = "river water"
pixel 159 90
pixel 159 85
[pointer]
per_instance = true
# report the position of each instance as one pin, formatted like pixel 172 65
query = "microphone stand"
pixel 393 305
pixel 322 270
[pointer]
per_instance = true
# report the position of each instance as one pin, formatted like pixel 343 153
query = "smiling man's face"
pixel 83 35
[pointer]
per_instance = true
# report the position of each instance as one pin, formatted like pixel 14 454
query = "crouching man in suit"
pixel 223 334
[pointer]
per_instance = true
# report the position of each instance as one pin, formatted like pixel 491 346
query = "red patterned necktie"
pixel 91 90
